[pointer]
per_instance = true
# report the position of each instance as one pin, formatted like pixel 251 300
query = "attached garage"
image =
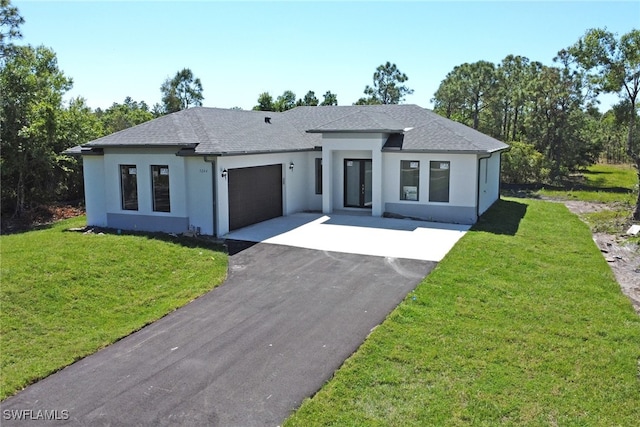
pixel 255 195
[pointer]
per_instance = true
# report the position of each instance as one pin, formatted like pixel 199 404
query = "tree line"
pixel 547 114
pixel 387 89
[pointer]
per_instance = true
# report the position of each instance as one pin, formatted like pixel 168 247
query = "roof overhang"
pixel 84 151
pixel 475 152
pixel 149 145
pixel 241 153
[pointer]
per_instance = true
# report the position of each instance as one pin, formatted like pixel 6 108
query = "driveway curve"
pixel 245 354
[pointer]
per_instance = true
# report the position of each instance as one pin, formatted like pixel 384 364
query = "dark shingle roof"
pixel 361 121
pixel 220 131
pixel 212 131
pixel 424 130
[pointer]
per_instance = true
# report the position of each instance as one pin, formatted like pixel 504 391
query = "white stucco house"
pixel 216 170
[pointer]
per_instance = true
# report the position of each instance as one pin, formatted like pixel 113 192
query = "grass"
pixel 65 295
pixel 600 183
pixel 522 323
pixel 615 186
pixel 613 221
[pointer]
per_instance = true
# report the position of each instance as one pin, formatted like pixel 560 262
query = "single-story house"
pixel 214 170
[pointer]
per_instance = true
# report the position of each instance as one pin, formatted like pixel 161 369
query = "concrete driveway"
pixel 245 354
pixel 357 234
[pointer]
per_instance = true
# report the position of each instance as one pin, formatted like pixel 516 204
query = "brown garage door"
pixel 255 195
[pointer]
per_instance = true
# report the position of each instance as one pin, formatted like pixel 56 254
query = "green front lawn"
pixel 65 294
pixel 522 323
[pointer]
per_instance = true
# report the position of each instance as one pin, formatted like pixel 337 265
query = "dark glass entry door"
pixel 357 183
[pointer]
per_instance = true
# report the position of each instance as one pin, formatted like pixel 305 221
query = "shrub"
pixel 523 164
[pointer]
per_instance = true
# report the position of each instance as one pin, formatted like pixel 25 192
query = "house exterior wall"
pixel 461 207
pixel 314 201
pixel 94 190
pixel 145 219
pixel 489 182
pixel 200 193
pixel 297 183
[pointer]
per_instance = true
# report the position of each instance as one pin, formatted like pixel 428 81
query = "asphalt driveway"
pixel 245 354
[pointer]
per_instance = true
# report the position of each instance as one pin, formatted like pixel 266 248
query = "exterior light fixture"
pixel 224 173
pixel 291 166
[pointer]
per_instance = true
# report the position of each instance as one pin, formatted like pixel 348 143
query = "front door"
pixel 357 183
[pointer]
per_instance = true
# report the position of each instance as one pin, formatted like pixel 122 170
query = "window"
pixel 319 176
pixel 129 187
pixel 439 182
pixel 160 178
pixel 409 179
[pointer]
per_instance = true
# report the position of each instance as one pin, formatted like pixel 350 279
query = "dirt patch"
pixel 622 256
pixel 41 216
pixel 580 208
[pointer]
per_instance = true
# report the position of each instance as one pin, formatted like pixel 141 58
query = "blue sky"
pixel 240 49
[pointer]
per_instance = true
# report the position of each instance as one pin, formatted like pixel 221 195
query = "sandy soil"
pixel 623 257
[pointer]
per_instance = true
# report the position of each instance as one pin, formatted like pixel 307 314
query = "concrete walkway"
pixel 245 354
pixel 357 234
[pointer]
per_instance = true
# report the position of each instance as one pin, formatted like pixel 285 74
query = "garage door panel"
pixel 255 195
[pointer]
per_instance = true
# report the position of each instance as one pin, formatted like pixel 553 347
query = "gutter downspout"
pixel 214 186
pixel 478 185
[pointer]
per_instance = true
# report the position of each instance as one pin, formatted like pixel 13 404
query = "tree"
pixel 32 87
pixel 448 101
pixel 556 121
pixel 285 102
pixel 512 91
pixel 308 100
pixel 614 67
pixel 465 91
pixel 329 98
pixel 77 124
pixel 367 101
pixel 10 21
pixel 125 115
pixel 521 100
pixel 613 133
pixel 478 80
pixel 265 102
pixel 181 92
pixel 157 110
pixel 386 86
